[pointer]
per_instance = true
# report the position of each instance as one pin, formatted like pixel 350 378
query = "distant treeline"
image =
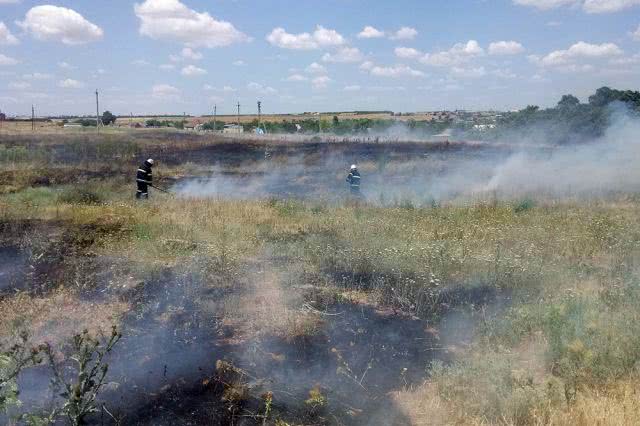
pixel 569 121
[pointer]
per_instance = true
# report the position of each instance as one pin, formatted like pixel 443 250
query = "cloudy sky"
pixel 174 56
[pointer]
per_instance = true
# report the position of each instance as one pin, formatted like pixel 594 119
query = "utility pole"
pixel 319 123
pixel 33 118
pixel 97 111
pixel 260 115
pixel 215 112
pixel 238 116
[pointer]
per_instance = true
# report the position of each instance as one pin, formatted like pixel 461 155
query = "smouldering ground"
pixel 481 312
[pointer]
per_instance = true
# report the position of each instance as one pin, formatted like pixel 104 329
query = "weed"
pixel 75 195
pixel 524 205
pixel 80 393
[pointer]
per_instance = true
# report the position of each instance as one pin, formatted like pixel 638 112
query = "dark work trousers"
pixel 143 191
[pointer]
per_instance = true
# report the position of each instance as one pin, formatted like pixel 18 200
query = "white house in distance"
pixel 232 128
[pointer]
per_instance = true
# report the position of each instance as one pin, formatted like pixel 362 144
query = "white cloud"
pixel 167 67
pixel 316 68
pixel 296 77
pixel 344 55
pixel 407 52
pixel 192 71
pixel 388 89
pixel 226 89
pixel 19 85
pixel 53 23
pixel 7 60
pixel 352 88
pixel 191 54
pixel 37 76
pixel 370 32
pixel 367 65
pixel 404 33
pixel 459 53
pixel 320 82
pixel 636 34
pixel 239 63
pixel 137 62
pixel 546 4
pixel 506 74
pixel 608 6
pixel 505 48
pixel 9 1
pixel 460 72
pixel 575 68
pixel 589 6
pixel 164 91
pixel 580 50
pixel 321 37
pixel 71 84
pixel 396 71
pixel 259 88
pixel 172 20
pixel 6 37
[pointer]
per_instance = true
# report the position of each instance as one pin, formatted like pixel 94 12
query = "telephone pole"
pixel 97 111
pixel 260 115
pixel 215 112
pixel 238 115
pixel 33 118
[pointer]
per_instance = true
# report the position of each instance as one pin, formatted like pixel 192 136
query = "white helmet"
pixel 150 161
pixel 353 167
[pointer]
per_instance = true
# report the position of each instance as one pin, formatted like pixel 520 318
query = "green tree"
pixel 568 101
pixel 108 118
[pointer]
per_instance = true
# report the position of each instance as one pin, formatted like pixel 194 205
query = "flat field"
pixel 261 292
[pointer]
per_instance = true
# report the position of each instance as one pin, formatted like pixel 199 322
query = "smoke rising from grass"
pixel 442 172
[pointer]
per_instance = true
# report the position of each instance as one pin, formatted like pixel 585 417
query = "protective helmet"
pixel 150 161
pixel 353 167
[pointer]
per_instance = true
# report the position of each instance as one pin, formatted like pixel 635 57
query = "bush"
pixel 75 195
pixel 524 205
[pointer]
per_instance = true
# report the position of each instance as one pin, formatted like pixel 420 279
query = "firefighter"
pixel 144 179
pixel 354 180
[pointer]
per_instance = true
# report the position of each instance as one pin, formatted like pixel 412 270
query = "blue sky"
pixel 174 56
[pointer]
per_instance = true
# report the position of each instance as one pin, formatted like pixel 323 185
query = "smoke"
pixel 441 172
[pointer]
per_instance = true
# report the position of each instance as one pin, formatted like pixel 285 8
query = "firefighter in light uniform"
pixel 354 180
pixel 144 179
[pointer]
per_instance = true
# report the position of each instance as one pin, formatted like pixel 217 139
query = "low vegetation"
pixel 487 312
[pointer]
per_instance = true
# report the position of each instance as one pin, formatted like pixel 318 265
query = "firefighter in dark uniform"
pixel 354 180
pixel 144 179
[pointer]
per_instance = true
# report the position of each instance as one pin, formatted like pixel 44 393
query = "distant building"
pixel 441 137
pixel 232 128
pixel 72 125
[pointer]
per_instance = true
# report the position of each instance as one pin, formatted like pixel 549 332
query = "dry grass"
pixel 562 350
pixel 57 317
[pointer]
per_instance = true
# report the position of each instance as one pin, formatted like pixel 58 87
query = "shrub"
pixel 75 195
pixel 524 205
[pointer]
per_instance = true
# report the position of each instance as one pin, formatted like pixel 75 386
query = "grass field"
pixel 11 127
pixel 291 311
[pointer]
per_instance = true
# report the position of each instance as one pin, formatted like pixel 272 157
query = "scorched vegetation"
pixel 281 310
